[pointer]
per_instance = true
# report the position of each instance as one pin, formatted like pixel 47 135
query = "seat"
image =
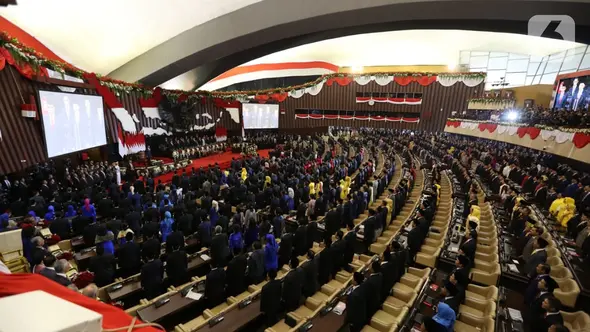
pixel 428 255
pixel 332 287
pixel 478 309
pixel 576 321
pixel 388 318
pixel 481 293
pixel 308 310
pixel 561 272
pixel 283 327
pixel 486 274
pixel 400 298
pixel 409 283
pixel 567 292
pixel 554 261
pixel 193 325
pixel 553 252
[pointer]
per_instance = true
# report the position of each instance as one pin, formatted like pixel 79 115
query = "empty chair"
pixel 467 323
pixel 486 274
pixel 554 261
pixel 567 292
pixel 388 318
pixel 478 309
pixel 401 298
pixel 481 293
pixel 561 272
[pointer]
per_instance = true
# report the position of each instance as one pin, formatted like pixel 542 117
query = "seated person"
pixel 445 316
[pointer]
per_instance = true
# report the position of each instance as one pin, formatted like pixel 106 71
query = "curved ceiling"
pixel 156 41
pixel 399 48
pixel 101 36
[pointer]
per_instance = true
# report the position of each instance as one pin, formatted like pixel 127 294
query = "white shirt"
pixel 4 269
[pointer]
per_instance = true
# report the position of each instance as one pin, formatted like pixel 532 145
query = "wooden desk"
pixel 329 322
pixel 177 302
pixel 236 318
pixel 127 289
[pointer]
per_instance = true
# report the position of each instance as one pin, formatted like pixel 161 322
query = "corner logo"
pixel 553 26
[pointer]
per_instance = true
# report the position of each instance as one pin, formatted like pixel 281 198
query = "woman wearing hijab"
pixel 267 181
pixel 71 212
pixel 166 225
pixel 445 316
pixel 214 213
pixel 244 174
pixel 291 200
pixel 251 233
pixel 33 215
pixel 104 238
pixel 4 221
pixel 88 210
pixel 50 215
pixel 236 241
pixel 271 249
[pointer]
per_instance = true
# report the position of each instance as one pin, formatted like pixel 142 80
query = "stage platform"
pixel 223 159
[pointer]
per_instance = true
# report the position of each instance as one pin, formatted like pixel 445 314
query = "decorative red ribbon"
pixel 581 140
pixel 422 80
pixel 342 81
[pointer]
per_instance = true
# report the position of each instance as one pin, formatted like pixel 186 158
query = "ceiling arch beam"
pixel 273 25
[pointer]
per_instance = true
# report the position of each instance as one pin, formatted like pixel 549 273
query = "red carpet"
pixel 223 159
pixel 12 284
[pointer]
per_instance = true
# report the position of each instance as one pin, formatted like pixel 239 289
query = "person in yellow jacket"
pixel 244 174
pixel 312 188
pixel 267 182
pixel 437 186
pixel 565 214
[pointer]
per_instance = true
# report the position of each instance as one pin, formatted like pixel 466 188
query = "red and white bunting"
pixel 395 101
pixel 357 117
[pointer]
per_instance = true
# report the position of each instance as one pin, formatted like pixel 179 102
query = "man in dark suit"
pixel 349 240
pixel 310 269
pixel 215 286
pixel 332 222
pixel 177 265
pixel 452 295
pixel 469 245
pixel 338 251
pixel 270 302
pixel 39 252
pixel 532 289
pixel 49 269
pixel 552 315
pixel 150 247
pixel 152 276
pixel 256 264
pixel 356 304
pixel 415 239
pixel 539 256
pixel 236 273
pixel 325 264
pixel 175 240
pixel 400 255
pixel 292 286
pixel 389 268
pixel 62 266
pixel 371 225
pixel 219 247
pixel 460 273
pixel 300 238
pixel 205 233
pixel 374 283
pixel 103 267
pixel 285 249
pixel 60 227
pixel 129 256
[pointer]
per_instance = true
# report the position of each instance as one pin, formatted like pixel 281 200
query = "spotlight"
pixel 512 116
pixel 357 69
pixel 452 66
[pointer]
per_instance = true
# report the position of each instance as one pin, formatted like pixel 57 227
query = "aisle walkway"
pixel 223 159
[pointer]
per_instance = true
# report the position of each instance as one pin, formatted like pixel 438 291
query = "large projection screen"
pixel 71 122
pixel 260 116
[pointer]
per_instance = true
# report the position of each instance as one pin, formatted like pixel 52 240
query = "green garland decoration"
pixel 25 54
pixel 503 101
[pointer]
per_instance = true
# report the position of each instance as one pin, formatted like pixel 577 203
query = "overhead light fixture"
pixel 357 69
pixel 452 66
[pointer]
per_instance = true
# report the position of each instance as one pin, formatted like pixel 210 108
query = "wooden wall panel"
pixel 437 104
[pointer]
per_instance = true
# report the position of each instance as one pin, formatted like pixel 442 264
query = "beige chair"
pixel 576 321
pixel 567 292
pixel 387 319
pixel 478 309
pixel 554 261
pixel 400 298
pixel 553 252
pixel 308 310
pixel 560 273
pixel 486 274
pixel 467 323
pixel 481 293
pixel 428 255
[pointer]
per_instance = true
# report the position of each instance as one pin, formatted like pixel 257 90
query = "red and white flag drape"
pixel 395 101
pixel 357 117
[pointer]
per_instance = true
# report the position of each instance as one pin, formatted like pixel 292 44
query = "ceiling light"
pixel 357 69
pixel 452 66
